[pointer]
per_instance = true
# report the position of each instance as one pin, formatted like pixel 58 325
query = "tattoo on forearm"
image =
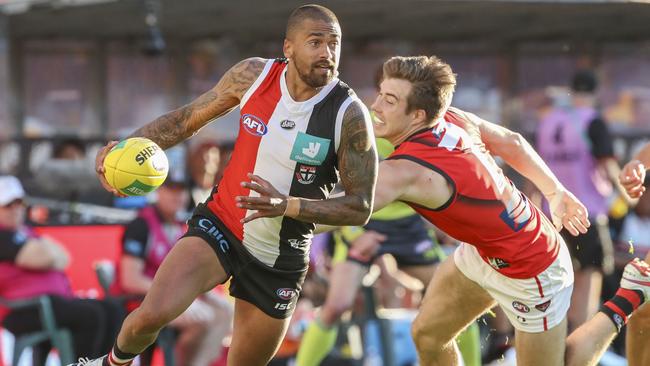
pixel 180 124
pixel 358 168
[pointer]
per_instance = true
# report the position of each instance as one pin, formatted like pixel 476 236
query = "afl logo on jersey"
pixel 253 125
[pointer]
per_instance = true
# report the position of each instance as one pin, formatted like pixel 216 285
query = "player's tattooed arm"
pixel 357 160
pixel 180 124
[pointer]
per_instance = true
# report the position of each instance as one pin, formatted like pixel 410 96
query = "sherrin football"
pixel 136 166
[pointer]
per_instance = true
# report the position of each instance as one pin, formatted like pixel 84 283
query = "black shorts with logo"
pixel 272 290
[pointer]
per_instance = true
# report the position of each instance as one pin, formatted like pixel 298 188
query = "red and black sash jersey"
pixel 485 210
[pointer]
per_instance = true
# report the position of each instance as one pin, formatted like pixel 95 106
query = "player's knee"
pixel 334 310
pixel 426 337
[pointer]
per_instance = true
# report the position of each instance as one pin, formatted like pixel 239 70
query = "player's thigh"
pixel 542 349
pixel 256 336
pixel 190 269
pixel 452 301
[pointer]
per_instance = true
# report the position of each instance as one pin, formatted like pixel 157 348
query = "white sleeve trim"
pixel 257 83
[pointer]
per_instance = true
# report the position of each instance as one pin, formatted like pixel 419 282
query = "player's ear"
pixel 287 48
pixel 420 115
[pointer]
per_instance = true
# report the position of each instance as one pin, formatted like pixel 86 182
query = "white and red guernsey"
pixel 291 144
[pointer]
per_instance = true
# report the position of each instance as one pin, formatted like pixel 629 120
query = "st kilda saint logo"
pixel 306 174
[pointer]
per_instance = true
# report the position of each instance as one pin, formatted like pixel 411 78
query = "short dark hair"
pixel 584 81
pixel 309 11
pixel 433 82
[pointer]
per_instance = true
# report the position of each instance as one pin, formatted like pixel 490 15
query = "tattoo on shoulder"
pixel 179 124
pixel 243 75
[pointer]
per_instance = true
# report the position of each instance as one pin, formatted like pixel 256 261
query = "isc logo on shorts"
pixel 523 308
pixel 253 125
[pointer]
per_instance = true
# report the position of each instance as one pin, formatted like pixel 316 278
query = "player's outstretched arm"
pixel 566 210
pixel 357 160
pixel 179 124
pixel 633 173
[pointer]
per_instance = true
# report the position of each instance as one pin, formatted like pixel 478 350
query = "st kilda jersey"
pixel 291 144
pixel 486 210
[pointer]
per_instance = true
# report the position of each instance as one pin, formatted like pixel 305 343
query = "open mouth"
pixel 376 120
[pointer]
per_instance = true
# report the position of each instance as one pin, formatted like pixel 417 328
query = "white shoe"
pixel 85 361
pixel 636 276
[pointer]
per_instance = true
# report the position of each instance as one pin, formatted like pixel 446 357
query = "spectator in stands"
pixel 69 174
pixel 146 242
pixel 576 144
pixel 31 266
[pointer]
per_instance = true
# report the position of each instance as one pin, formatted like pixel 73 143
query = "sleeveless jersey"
pixel 485 210
pixel 564 144
pixel 291 144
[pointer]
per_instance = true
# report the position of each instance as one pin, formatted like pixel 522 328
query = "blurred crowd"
pixel 58 186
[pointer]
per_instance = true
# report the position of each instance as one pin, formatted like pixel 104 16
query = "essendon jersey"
pixel 486 209
pixel 291 144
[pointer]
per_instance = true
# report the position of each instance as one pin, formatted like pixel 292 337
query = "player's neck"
pixel 298 89
pixel 408 132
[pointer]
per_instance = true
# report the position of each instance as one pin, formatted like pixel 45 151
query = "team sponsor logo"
pixel 498 263
pixel 306 174
pixel 543 306
pixel 208 227
pixel 286 293
pixel 146 153
pixel 297 243
pixel 253 125
pixel 520 307
pixel 521 319
pixel 287 124
pixel 310 150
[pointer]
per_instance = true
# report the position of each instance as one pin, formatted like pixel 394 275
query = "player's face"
pixel 390 119
pixel 314 49
pixel 12 215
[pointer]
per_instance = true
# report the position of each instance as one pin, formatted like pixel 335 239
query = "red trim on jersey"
pixel 539 287
pixel 545 324
pixel 261 104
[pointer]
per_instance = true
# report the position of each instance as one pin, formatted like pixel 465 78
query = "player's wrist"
pixel 293 207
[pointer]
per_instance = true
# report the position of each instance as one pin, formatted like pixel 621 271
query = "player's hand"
pixel 366 245
pixel 270 203
pixel 568 212
pixel 99 168
pixel 632 177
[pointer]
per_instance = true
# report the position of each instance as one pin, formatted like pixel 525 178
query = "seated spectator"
pixel 146 242
pixel 69 174
pixel 31 266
